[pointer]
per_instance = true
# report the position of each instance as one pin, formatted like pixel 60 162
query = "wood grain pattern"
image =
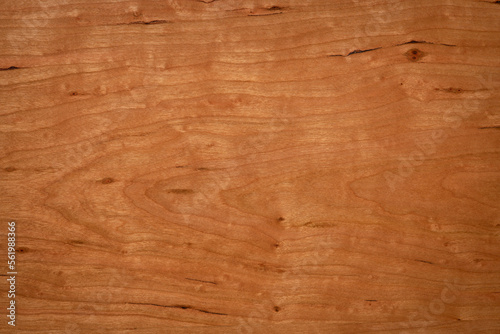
pixel 257 166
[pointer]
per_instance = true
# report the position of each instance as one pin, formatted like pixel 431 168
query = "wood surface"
pixel 218 166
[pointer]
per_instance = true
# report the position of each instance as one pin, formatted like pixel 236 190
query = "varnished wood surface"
pixel 252 166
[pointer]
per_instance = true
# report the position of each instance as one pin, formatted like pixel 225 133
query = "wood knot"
pixel 414 55
pixel 454 90
pixel 107 180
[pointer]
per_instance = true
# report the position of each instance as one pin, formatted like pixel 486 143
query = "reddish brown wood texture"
pixel 251 166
